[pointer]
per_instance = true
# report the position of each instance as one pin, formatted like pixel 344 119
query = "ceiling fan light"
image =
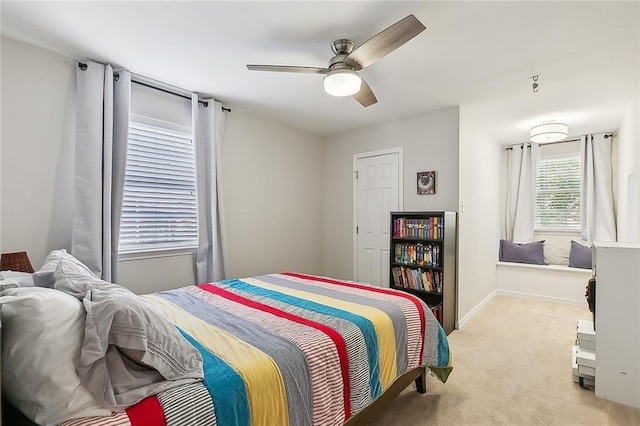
pixel 342 82
pixel 548 132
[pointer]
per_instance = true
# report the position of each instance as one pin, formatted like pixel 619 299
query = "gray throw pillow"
pixel 580 256
pixel 522 252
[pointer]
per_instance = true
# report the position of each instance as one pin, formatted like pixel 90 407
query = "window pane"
pixel 558 194
pixel 159 206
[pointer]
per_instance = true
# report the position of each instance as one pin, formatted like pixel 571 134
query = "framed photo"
pixel 426 183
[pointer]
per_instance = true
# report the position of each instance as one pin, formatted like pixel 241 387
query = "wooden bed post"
pixel 421 383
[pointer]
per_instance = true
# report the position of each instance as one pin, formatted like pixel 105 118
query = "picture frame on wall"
pixel 426 182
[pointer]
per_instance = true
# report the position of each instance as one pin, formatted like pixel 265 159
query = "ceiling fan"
pixel 341 76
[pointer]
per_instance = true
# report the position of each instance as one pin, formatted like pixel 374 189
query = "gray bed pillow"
pixel 45 277
pixel 532 253
pixel 73 279
pixel 580 256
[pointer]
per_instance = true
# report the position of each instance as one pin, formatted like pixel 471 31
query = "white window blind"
pixel 558 194
pixel 159 206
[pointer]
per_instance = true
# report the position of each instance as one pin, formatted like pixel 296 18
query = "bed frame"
pixel 364 417
pixel 10 416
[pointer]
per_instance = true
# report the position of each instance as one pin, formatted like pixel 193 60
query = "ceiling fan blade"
pixel 284 68
pixel 384 42
pixel 365 96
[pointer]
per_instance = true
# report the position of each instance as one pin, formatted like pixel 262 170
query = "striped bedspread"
pixel 289 349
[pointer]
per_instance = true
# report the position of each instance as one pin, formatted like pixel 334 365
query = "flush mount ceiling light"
pixel 342 82
pixel 548 132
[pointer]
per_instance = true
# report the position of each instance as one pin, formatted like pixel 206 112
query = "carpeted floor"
pixel 512 366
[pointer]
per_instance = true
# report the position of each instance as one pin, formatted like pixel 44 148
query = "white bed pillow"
pixel 44 277
pixel 42 332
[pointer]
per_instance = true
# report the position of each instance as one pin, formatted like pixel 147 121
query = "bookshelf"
pixel 423 260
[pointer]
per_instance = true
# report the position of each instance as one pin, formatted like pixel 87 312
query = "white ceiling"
pixel 479 55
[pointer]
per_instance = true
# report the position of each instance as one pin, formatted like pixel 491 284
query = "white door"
pixel 377 190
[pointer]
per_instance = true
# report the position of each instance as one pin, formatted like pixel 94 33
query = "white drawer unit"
pixel 583 375
pixel 586 337
pixel 584 355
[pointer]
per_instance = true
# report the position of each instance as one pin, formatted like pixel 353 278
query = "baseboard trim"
pixel 539 297
pixel 461 323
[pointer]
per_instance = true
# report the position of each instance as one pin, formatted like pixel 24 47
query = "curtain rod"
pixel 83 67
pixel 160 89
pixel 610 135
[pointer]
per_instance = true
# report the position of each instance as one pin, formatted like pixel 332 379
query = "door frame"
pixel 397 150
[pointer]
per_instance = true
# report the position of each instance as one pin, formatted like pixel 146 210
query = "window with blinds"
pixel 159 206
pixel 558 194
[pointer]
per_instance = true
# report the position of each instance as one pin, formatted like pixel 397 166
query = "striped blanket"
pixel 289 349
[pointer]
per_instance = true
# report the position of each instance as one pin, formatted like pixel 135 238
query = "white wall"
pixel 38 143
pixel 480 221
pixel 160 105
pixel 272 178
pixel 38 127
pixel 157 273
pixel 429 141
pixel 627 174
pixel 273 197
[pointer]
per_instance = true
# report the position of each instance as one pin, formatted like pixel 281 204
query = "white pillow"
pixel 45 276
pixel 42 332
pixel 22 279
pixel 556 251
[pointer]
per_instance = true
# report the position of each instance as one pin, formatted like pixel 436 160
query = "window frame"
pixel 152 253
pixel 557 230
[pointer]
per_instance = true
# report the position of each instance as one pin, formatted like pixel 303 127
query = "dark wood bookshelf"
pixel 426 237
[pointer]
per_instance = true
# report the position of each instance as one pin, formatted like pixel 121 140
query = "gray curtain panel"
pixel 521 191
pixel 597 222
pixel 102 126
pixel 208 131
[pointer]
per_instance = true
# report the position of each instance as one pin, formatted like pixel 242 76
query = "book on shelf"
pixel 427 228
pixel 437 312
pixel 417 279
pixel 417 254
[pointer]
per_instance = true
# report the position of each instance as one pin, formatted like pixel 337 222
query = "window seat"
pixel 557 283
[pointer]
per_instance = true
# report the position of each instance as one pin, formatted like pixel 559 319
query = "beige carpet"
pixel 512 366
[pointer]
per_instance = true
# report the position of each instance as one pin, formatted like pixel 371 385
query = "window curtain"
pixel 522 166
pixel 596 199
pixel 102 122
pixel 208 131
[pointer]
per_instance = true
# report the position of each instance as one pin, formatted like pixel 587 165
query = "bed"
pixel 283 349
